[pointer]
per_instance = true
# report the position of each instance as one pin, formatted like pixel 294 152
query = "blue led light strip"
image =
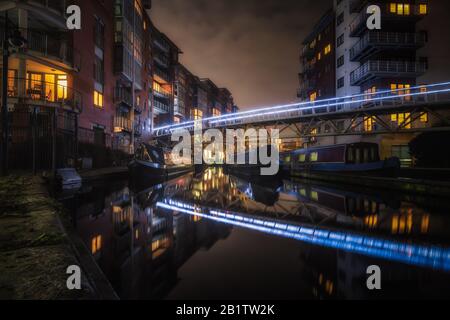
pixel 425 256
pixel 315 104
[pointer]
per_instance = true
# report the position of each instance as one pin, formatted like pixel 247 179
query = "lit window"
pixel 423 8
pixel 313 96
pixel 319 56
pixel 314 157
pixel 302 158
pixel 424 117
pixel 197 114
pixel 327 49
pixel 400 9
pixel 369 124
pixel 62 86
pixel 393 8
pixel 96 244
pixel 407 9
pixel 98 99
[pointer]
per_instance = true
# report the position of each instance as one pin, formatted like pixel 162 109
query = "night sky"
pixel 250 46
pixel 253 46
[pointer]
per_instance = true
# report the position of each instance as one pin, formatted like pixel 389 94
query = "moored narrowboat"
pixel 152 163
pixel 343 158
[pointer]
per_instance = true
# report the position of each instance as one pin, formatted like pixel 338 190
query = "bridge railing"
pixel 405 97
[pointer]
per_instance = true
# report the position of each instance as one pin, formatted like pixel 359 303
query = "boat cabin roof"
pixel 336 146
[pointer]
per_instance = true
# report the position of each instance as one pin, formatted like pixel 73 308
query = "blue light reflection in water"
pixel 418 255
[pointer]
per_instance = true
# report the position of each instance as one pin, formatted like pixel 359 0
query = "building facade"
pixel 88 97
pixel 370 61
pixel 317 74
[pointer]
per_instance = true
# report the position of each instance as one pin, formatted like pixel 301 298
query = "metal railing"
pixel 386 67
pixel 56 5
pixel 161 74
pixel 383 101
pixel 51 46
pixel 161 106
pixel 123 95
pixel 44 92
pixel 122 124
pixel 389 39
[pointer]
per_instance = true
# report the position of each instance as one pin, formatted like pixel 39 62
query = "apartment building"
pixel 183 94
pixel 165 61
pixel 370 61
pixel 43 104
pixel 317 75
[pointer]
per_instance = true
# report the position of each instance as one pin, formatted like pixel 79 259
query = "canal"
pixel 213 235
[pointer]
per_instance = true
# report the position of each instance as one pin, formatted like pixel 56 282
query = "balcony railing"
pixel 161 107
pixel 122 124
pixel 374 69
pixel 161 45
pixel 50 46
pixel 56 5
pixel 44 93
pixel 373 41
pixel 359 24
pixel 161 60
pixel 123 95
pixel 162 75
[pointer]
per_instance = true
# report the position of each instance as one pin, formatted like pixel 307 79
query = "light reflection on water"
pixel 175 250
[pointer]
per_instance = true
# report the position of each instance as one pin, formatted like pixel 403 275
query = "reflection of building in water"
pixel 140 248
pixel 335 274
pixel 371 212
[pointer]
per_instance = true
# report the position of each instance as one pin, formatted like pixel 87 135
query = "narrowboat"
pixel 151 164
pixel 343 158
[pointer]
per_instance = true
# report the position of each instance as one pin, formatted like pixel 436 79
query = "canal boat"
pixel 344 158
pixel 153 163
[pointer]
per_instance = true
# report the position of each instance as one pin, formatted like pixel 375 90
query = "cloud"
pixel 250 46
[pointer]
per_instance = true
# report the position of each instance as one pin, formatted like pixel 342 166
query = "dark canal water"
pixel 217 236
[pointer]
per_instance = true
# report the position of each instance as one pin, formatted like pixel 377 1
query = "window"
pixel 340 40
pixel 368 94
pixel 402 119
pixel 99 33
pixel 319 56
pixel 313 96
pixel 424 117
pixel 98 99
pixel 327 49
pixel 403 153
pixel 96 244
pixel 341 82
pixel 401 9
pixel 340 19
pixel 197 114
pixel 398 89
pixel 423 8
pixel 62 86
pixel 314 157
pixel 369 124
pixel 302 158
pixel 98 70
pixel 340 61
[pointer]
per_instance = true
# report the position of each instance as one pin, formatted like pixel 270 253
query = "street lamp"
pixel 14 40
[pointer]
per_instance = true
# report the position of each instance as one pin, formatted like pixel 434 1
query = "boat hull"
pixel 153 172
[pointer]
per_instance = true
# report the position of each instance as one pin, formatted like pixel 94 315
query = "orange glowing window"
pixel 327 49
pixel 96 244
pixel 423 8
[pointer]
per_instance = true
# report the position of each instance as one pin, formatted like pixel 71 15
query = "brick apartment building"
pixel 97 92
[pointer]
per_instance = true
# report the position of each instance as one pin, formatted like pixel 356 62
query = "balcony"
pixel 357 5
pixel 373 42
pixel 123 97
pixel 308 53
pixel 52 47
pixel 161 75
pixel 122 125
pixel 45 94
pixel 359 24
pixel 162 45
pixel 58 6
pixel 161 60
pixel 393 69
pixel 160 107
